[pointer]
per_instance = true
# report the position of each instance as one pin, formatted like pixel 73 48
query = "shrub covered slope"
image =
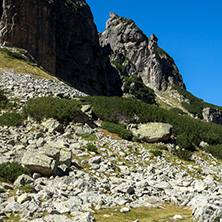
pixel 188 132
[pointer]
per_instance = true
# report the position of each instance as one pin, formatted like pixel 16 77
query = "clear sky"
pixel 189 30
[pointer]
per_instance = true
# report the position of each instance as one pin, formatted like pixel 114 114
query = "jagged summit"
pixel 137 55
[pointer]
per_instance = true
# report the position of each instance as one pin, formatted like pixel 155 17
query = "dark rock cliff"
pixel 62 37
pixel 134 54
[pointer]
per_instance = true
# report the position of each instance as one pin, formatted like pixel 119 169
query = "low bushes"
pixel 119 129
pixel 63 110
pixel 3 99
pixel 156 152
pixel 11 119
pixel 215 150
pixel 189 132
pixel 9 172
pixel 182 153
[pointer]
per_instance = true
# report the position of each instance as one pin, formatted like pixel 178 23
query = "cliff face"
pixel 62 37
pixel 134 54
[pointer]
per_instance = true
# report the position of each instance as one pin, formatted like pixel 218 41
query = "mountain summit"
pixel 137 55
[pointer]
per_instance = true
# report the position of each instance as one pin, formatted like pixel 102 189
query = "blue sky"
pixel 189 30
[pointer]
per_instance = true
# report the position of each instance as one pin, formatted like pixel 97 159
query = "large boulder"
pixel 151 132
pixel 44 161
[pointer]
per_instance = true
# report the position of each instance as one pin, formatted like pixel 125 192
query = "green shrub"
pixel 9 172
pixel 182 153
pixel 178 111
pixel 92 148
pixel 63 110
pixel 118 65
pixel 139 90
pixel 2 190
pixel 215 150
pixel 11 119
pixel 156 152
pixel 3 99
pixel 119 129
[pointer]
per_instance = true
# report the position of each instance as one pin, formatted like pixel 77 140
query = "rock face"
pixel 62 37
pixel 151 132
pixel 212 115
pixel 134 54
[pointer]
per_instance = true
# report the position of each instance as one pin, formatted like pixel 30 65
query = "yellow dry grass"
pixel 20 66
pixel 145 214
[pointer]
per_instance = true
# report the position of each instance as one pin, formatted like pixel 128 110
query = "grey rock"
pixel 212 115
pixel 52 125
pixel 151 132
pixel 37 161
pixel 22 180
pixel 96 160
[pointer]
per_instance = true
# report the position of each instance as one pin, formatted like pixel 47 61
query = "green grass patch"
pixel 89 137
pixel 14 55
pixel 156 152
pixel 9 172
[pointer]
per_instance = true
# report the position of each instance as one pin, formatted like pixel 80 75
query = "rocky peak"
pixel 134 54
pixel 153 44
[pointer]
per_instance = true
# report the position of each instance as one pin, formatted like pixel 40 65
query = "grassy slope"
pixel 8 62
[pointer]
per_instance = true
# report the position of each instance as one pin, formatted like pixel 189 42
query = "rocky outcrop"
pixel 151 132
pixel 62 37
pixel 134 54
pixel 212 115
